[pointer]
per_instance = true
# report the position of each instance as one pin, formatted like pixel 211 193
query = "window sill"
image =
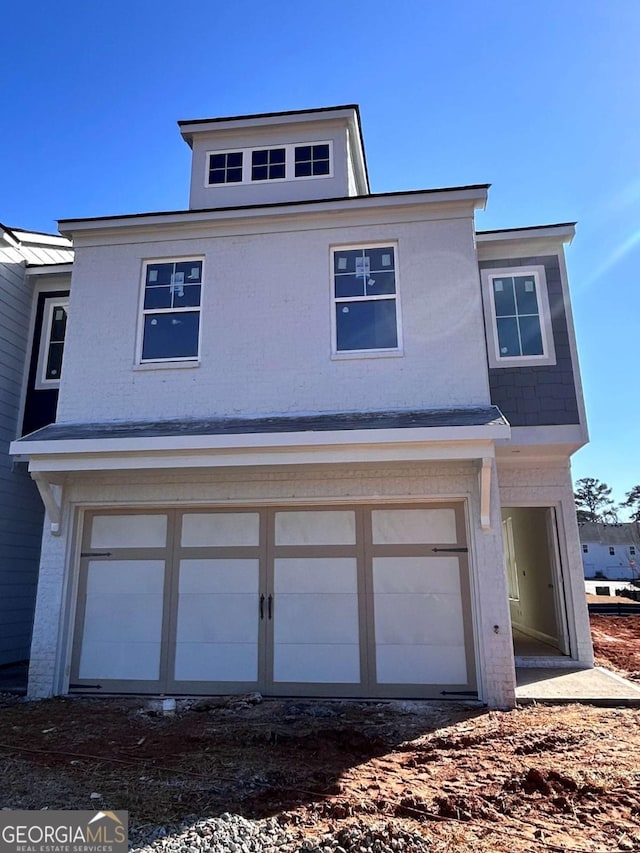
pixel 166 365
pixel 522 361
pixel 348 356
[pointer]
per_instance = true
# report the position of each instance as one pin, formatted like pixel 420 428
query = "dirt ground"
pixel 563 778
pixel 616 643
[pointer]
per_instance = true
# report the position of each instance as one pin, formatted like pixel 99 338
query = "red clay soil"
pixel 468 780
pixel 616 644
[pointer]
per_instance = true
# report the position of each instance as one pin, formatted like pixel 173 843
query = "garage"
pixel 315 601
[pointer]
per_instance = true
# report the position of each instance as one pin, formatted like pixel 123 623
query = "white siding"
pixel 266 333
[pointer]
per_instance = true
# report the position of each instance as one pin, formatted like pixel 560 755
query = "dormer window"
pixel 268 164
pixel 225 168
pixel 312 160
pixel 298 161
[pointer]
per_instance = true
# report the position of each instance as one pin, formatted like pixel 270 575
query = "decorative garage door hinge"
pixel 450 550
pixel 458 692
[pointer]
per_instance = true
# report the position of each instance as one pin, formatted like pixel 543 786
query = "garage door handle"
pixel 269 605
pixel 262 606
pixel 449 550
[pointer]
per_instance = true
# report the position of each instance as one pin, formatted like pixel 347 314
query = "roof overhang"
pixel 405 436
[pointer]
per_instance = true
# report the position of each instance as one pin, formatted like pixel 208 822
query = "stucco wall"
pixel 265 325
pixel 368 483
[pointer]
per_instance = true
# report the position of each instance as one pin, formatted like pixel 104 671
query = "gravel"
pixel 235 834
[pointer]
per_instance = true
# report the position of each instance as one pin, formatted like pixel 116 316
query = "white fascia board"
pixel 188 129
pixel 50 269
pixel 565 233
pixel 33 238
pixel 276 441
pixel 258 457
pixel 469 197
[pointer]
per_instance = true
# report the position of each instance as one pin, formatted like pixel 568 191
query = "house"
pixel 310 439
pixel 34 283
pixel 610 551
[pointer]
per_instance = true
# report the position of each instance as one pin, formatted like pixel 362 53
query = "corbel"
pixel 52 501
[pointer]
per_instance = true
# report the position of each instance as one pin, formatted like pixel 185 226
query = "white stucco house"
pixel 310 439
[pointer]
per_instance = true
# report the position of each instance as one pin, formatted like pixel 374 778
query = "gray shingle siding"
pixel 20 506
pixel 539 396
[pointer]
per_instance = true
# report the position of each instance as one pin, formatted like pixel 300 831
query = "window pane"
pixel 381 282
pixel 260 158
pixel 303 153
pixel 320 152
pixel 303 170
pixel 191 270
pixel 350 285
pixel 276 155
pixel 234 176
pixel 186 296
pixel 234 159
pixel 171 335
pixel 526 294
pixel 217 161
pixel 345 261
pixel 157 297
pixel 531 336
pixel 259 173
pixel 366 325
pixel 159 274
pixel 380 259
pixel 321 167
pixel 217 176
pixel 508 342
pixel 276 170
pixel 504 299
pixel 54 361
pixel 58 323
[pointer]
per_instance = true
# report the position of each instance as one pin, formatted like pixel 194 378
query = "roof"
pixel 198 212
pixel 622 533
pixel 279 114
pixel 529 228
pixel 35 247
pixel 486 416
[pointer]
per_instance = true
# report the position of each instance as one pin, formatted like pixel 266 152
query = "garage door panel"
pixel 316 527
pixel 216 662
pixel 416 574
pixel 319 618
pixel 125 577
pixel 120 660
pixel 413 526
pixel 421 664
pixel 134 619
pixel 129 531
pixel 220 529
pixel 218 618
pixel 316 574
pixel 218 576
pixel 317 663
pixel 417 619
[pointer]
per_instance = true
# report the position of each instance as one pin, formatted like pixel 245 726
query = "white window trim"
pixel 289 161
pixel 50 304
pixel 511 564
pixel 548 356
pixel 190 360
pixel 339 355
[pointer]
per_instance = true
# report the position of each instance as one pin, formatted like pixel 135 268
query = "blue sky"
pixel 541 99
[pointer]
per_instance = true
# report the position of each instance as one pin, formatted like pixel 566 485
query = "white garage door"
pixel 363 601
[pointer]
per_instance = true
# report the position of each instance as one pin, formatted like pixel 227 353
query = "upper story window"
pixel 612 551
pixel 366 313
pixel 225 168
pixel 517 316
pixel 268 164
pixel 632 550
pixel 311 160
pixel 585 549
pixel 171 310
pixel 54 329
pixel 296 161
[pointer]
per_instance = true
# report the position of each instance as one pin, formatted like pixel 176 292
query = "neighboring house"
pixel 34 275
pixel 302 428
pixel 610 551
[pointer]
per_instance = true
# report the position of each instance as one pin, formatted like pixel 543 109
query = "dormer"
pixel 276 157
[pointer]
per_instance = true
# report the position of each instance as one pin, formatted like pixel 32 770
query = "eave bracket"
pixel 52 499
